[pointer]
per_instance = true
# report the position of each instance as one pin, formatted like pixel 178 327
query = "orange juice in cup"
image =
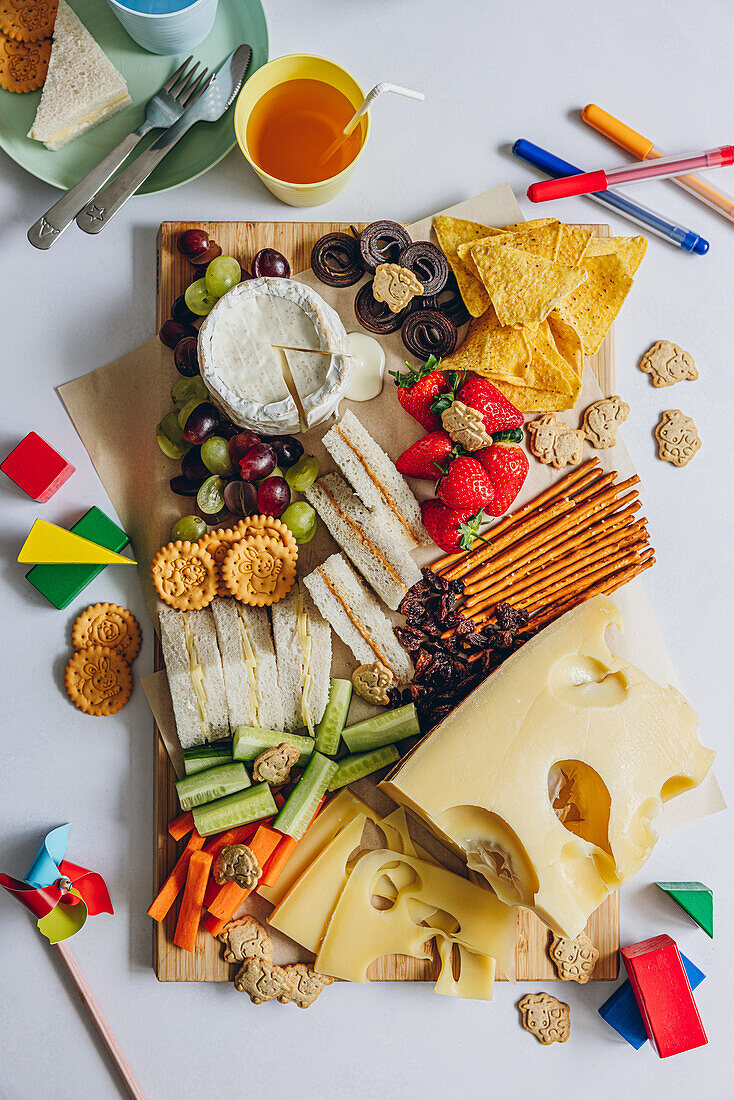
pixel 289 113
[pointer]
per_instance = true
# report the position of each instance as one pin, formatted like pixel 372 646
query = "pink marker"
pixel 586 183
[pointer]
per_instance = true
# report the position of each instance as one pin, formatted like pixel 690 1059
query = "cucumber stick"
pixel 207 756
pixel 195 790
pixel 383 729
pixel 329 729
pixel 351 768
pixel 235 809
pixel 296 815
pixel 249 742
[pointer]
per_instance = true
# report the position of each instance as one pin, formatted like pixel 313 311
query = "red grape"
pixel 192 466
pixel 258 462
pixel 272 263
pixel 239 445
pixel 273 496
pixel 203 421
pixel 287 449
pixel 185 357
pixel 192 242
pixel 228 430
pixel 201 260
pixel 172 331
pixel 181 312
pixel 182 487
pixel 241 498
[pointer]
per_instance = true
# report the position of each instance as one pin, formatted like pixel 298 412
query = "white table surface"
pixel 491 73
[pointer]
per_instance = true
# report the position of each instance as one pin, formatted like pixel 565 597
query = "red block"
pixel 664 996
pixel 37 468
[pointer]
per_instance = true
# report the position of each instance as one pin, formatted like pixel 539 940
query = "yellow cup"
pixel 299 67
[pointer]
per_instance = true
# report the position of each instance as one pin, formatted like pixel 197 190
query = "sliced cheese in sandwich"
pixel 356 616
pixel 376 480
pixel 82 87
pixel 303 649
pixel 366 537
pixel 195 677
pixel 248 663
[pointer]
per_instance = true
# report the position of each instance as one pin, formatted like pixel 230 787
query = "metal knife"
pixel 209 108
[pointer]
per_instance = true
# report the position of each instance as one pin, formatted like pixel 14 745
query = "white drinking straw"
pixel 369 99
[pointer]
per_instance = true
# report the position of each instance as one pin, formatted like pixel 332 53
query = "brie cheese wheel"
pixel 248 374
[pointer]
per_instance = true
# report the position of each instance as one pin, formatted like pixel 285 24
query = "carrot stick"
pixel 171 888
pixel 240 835
pixel 181 825
pixel 214 924
pixel 189 914
pixel 276 864
pixel 230 896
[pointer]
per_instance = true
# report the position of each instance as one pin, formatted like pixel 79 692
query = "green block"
pixel 696 899
pixel 60 584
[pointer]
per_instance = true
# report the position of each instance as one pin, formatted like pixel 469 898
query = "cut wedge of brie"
pixel 241 357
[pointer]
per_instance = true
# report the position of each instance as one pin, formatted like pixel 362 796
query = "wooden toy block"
pixel 48 544
pixel 696 899
pixel 60 584
pixel 621 1011
pixel 37 468
pixel 663 994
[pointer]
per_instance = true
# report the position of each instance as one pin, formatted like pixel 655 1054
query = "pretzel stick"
pixel 581 580
pixel 603 587
pixel 589 470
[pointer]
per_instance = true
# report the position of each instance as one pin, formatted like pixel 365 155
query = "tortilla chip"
pixel 558 374
pixel 528 400
pixel 523 287
pixel 573 244
pixel 631 250
pixel 593 306
pixel 487 342
pixel 568 342
pixel 542 241
pixel 450 233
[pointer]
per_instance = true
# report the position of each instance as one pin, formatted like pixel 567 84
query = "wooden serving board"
pixel 295 240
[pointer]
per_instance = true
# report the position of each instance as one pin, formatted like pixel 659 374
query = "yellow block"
pixel 48 544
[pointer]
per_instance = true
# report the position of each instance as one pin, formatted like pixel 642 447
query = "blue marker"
pixel 633 211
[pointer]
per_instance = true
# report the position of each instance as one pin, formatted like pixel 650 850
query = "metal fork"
pixel 161 111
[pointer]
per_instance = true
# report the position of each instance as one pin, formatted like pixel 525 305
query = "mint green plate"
pixel 204 146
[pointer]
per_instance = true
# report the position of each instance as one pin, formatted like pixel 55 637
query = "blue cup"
pixel 166 26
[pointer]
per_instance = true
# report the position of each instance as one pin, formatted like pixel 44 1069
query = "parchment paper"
pixel 121 442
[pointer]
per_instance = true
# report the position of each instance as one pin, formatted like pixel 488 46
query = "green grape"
pixel 303 474
pixel 170 437
pixel 210 497
pixel 277 472
pixel 215 456
pixel 185 412
pixel 188 529
pixel 198 299
pixel 183 389
pixel 221 275
pixel 301 520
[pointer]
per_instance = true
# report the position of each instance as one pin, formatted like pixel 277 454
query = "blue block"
pixel 621 1011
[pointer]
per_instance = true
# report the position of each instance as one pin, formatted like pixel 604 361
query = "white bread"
pixel 365 537
pixel 82 87
pixel 376 480
pixel 189 643
pixel 356 616
pixel 248 663
pixel 303 648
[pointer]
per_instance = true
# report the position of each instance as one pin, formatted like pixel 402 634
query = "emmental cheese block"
pixel 548 777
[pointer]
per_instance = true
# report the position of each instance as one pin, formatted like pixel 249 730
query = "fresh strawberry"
pixel 427 458
pixel 465 486
pixel 449 530
pixel 419 388
pixel 507 468
pixel 498 414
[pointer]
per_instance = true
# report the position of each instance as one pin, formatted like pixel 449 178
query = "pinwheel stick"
pixel 104 1029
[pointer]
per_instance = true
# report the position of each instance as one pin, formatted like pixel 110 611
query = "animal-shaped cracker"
pixel 263 981
pixel 246 939
pixel 372 681
pixel 466 426
pixel 574 960
pixel 274 765
pixel 307 985
pixel 677 436
pixel 545 1017
pixel 395 286
pixel 667 364
pixel 237 863
pixel 553 442
pixel 601 420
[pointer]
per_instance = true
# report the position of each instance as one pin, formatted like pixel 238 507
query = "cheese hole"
pixel 494 850
pixel 456 961
pixel 581 801
pixel 585 682
pixel 371 840
pixel 676 785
